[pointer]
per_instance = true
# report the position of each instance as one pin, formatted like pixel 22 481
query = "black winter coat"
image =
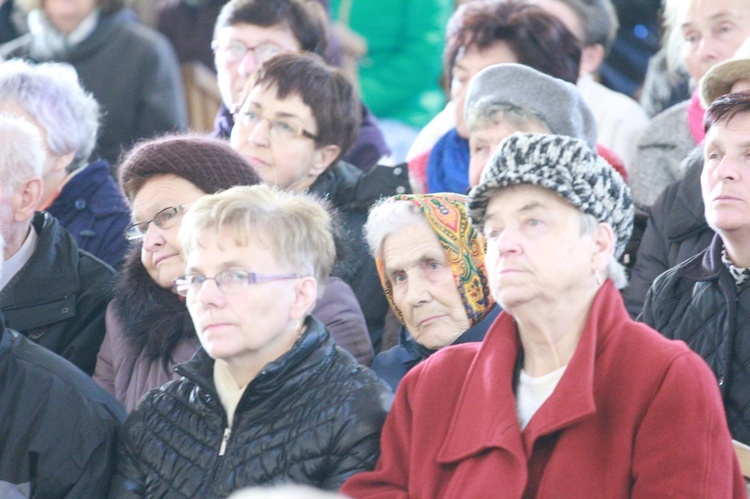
pixel 58 299
pixel 698 302
pixel 676 231
pixel 57 428
pixel 313 417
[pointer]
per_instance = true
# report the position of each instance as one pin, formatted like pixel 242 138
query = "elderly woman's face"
pixel 161 254
pixel 256 320
pixel 66 15
pixel 423 286
pixel 536 253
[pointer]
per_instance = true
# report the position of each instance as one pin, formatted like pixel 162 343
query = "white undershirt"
pixel 229 393
pixel 531 393
pixel 12 265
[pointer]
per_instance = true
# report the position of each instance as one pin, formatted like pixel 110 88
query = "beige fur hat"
pixel 719 79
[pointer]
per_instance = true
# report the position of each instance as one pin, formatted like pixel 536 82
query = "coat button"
pixel 721 381
pixel 400 189
pixel 80 204
pixel 397 171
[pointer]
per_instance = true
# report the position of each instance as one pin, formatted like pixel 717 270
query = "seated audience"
pixel 249 32
pixel 705 301
pixel 297 118
pixel 51 291
pixel 268 398
pixel 57 427
pixel 130 69
pixel 430 262
pixel 566 395
pixel 148 327
pixel 82 196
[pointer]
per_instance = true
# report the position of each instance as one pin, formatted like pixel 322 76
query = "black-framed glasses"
pixel 228 282
pixel 165 219
pixel 279 129
pixel 235 50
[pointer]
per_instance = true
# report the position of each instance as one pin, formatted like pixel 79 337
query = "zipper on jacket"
pixel 224 440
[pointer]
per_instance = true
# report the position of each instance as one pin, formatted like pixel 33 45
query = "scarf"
pixel 695 115
pixel 464 249
pixel 49 43
pixel 448 164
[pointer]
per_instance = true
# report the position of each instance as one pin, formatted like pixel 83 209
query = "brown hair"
pixel 726 108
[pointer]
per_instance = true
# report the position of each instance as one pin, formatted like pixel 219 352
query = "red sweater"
pixel 634 415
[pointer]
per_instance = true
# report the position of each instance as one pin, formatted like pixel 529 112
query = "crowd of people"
pixel 507 280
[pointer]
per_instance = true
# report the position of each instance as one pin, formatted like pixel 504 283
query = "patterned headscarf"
pixel 464 249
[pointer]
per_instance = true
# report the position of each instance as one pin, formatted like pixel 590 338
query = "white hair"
pixel 614 271
pixel 21 152
pixel 387 217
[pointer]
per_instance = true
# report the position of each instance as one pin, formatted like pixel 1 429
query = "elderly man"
pixel 705 300
pixel 50 290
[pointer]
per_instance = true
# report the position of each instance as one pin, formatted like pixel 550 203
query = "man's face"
pixel 66 15
pixel 239 50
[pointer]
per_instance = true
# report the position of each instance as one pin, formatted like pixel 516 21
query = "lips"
pixel 428 320
pixel 161 258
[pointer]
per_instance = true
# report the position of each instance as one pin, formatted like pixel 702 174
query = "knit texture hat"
pixel 567 167
pixel 719 79
pixel 210 164
pixel 555 102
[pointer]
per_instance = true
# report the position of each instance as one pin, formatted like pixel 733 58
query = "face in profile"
pixel 424 289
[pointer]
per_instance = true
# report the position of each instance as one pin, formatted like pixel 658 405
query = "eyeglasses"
pixel 279 129
pixel 165 219
pixel 235 51
pixel 229 281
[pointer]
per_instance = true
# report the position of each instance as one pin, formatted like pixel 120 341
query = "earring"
pixel 598 277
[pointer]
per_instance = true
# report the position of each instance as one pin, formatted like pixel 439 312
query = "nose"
pixel 154 238
pixel 418 292
pixel 259 134
pixel 727 170
pixel 708 50
pixel 247 65
pixel 506 243
pixel 209 295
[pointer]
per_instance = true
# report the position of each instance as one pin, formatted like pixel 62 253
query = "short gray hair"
pixel 21 151
pixel 615 270
pixel 487 112
pixel 298 226
pixel 390 216
pixel 598 20
pixel 52 95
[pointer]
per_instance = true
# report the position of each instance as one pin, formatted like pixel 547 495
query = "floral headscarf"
pixel 464 249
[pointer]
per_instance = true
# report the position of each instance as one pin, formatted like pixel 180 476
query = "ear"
pixel 604 246
pixel 26 198
pixel 592 57
pixel 322 159
pixel 305 296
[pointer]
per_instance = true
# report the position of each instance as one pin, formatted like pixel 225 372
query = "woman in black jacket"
pixel 268 398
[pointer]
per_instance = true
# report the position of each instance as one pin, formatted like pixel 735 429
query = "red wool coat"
pixel 634 415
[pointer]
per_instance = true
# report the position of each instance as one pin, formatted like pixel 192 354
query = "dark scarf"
pixel 154 319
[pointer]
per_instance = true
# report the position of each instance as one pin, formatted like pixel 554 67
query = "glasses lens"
pixel 249 119
pixel 135 232
pixel 168 217
pixel 235 51
pixel 265 51
pixel 232 281
pixel 283 130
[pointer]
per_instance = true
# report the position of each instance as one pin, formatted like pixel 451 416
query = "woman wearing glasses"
pixel 268 398
pixel 148 330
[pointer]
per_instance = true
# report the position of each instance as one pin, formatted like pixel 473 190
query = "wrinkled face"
pixel 725 180
pixel 232 74
pixel 536 254
pixel 289 163
pixel 66 15
pixel 423 286
pixel 468 63
pixel 253 322
pixel 483 142
pixel 712 31
pixel 161 253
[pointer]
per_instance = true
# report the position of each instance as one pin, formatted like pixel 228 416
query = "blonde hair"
pixel 298 227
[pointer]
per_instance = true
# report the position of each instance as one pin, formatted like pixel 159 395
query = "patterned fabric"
pixel 566 166
pixel 464 249
pixel 740 275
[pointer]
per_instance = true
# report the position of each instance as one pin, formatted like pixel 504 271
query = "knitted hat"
pixel 210 164
pixel 567 167
pixel 555 102
pixel 719 79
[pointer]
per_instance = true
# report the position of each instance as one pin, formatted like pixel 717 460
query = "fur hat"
pixel 210 164
pixel 555 102
pixel 719 79
pixel 568 167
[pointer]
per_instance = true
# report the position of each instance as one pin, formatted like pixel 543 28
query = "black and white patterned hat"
pixel 565 165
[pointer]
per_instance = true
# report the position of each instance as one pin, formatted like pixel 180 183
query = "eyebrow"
pixel 532 206
pixel 423 259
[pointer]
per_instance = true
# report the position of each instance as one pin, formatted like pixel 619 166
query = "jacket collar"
pixel 707 265
pixel 485 415
pixel 338 184
pixel 687 216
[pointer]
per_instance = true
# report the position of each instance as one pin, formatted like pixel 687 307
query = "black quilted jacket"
pixel 698 302
pixel 313 416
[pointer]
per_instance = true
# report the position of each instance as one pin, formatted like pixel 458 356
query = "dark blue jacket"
pixel 393 364
pixel 95 213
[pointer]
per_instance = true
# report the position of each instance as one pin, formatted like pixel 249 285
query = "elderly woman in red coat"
pixel 566 396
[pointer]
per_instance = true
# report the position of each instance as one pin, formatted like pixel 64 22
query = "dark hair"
pixel 110 6
pixel 305 18
pixel 323 88
pixel 537 39
pixel 726 108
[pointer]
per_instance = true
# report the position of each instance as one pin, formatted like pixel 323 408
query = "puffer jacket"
pixel 313 417
pixel 698 302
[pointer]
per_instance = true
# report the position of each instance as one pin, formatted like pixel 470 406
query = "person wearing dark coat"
pixel 268 398
pixel 294 124
pixel 430 261
pixel 130 69
pixel 291 26
pixel 82 195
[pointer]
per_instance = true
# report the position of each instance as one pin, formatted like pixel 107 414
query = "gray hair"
pixel 614 271
pixel 389 216
pixel 52 95
pixel 21 151
pixel 487 112
pixel 598 20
